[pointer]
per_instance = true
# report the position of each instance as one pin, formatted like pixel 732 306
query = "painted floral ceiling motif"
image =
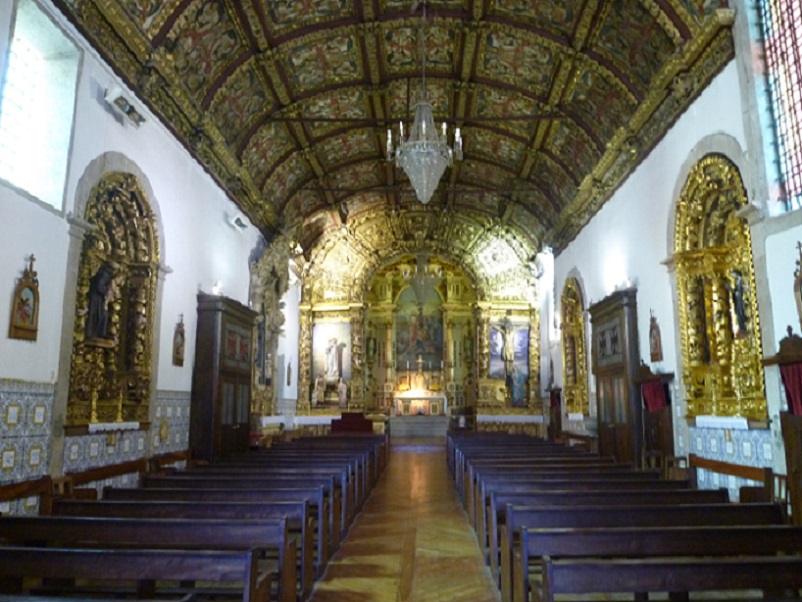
pixel 287 104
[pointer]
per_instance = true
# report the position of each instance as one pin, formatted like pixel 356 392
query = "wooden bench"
pixel 672 575
pixel 19 563
pixel 331 492
pixel 500 547
pixel 226 510
pixel 305 510
pixel 623 515
pixel 643 542
pixel 345 476
pixel 580 482
pixel 561 470
pixel 271 535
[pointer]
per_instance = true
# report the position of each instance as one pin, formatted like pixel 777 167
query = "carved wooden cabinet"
pixel 615 362
pixel 221 378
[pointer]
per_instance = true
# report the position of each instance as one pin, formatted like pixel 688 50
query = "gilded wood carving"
pixel 719 325
pixel 575 372
pixel 110 375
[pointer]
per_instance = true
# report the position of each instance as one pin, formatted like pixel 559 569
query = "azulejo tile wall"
pixel 25 444
pixel 169 431
pixel 26 411
pixel 748 447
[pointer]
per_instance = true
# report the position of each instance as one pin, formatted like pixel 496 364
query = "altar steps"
pixel 418 426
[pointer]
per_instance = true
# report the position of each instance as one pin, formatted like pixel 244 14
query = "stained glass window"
pixel 782 31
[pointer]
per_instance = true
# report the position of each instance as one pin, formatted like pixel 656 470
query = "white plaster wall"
pixel 626 241
pixel 199 246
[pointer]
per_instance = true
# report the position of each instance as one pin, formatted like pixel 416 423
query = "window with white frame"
pixel 37 105
pixel 782 32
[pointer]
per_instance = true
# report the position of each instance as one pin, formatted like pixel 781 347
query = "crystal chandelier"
pixel 425 155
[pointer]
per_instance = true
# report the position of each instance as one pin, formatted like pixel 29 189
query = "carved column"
pixel 487 387
pixel 357 318
pixel 534 403
pixel 305 359
pixel 448 352
pixel 389 362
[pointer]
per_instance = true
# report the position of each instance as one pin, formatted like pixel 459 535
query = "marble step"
pixel 418 426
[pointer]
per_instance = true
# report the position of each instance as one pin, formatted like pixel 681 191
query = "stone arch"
pixel 112 351
pixel 575 377
pixel 719 329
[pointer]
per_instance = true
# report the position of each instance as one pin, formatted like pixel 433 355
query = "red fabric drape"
pixel 654 395
pixel 555 399
pixel 792 380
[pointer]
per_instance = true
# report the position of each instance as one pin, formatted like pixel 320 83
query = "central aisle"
pixel 412 541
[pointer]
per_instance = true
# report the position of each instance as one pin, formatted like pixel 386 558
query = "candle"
pixel 401 128
pixel 444 130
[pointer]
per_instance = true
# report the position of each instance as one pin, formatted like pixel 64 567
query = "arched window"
pixel 110 376
pixel 719 327
pixel 575 373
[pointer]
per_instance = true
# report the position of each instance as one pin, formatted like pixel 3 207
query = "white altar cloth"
pixel 417 402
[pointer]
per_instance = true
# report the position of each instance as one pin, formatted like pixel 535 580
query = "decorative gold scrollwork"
pixel 575 373
pixel 719 326
pixel 110 375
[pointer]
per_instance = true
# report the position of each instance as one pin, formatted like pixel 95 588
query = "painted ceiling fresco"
pixel 287 103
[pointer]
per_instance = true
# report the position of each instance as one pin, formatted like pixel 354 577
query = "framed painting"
pixel 24 323
pixel 509 357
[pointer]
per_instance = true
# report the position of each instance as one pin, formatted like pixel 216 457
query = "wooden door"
pixel 234 417
pixel 615 361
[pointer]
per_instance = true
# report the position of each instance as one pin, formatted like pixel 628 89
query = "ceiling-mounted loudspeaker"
pixel 117 101
pixel 238 222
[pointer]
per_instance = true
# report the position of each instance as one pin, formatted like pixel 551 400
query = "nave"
pixel 412 540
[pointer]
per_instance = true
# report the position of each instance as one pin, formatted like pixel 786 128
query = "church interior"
pixel 239 225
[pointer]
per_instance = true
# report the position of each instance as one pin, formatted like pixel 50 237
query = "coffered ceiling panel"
pixel 287 104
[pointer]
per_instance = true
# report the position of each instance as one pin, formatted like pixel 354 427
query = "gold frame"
pixel 24 321
pixel 575 389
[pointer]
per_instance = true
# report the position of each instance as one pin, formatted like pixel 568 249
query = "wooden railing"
pixel 765 476
pixel 47 486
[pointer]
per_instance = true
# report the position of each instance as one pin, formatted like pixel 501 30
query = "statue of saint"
pixel 100 295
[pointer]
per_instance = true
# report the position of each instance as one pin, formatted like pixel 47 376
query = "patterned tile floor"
pixel 412 541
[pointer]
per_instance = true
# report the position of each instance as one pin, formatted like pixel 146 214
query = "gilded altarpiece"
pixel 575 371
pixel 719 327
pixel 269 283
pixel 504 335
pixel 110 374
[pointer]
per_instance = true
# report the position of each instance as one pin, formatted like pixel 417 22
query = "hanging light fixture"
pixel 425 154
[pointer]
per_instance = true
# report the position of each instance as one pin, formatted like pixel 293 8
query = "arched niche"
pixel 111 360
pixel 575 377
pixel 718 318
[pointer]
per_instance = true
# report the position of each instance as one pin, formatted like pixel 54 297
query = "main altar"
pixel 420 402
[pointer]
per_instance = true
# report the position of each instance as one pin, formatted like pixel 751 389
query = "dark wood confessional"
pixel 221 379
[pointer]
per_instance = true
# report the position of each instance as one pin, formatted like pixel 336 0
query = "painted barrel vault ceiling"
pixel 287 102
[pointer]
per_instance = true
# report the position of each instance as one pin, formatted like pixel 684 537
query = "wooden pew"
pixel 500 535
pixel 332 492
pixel 345 476
pixel 485 484
pixel 305 510
pixel 192 510
pixel 534 468
pixel 672 575
pixel 623 515
pixel 178 534
pixel 18 563
pixel 643 542
pixel 579 483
